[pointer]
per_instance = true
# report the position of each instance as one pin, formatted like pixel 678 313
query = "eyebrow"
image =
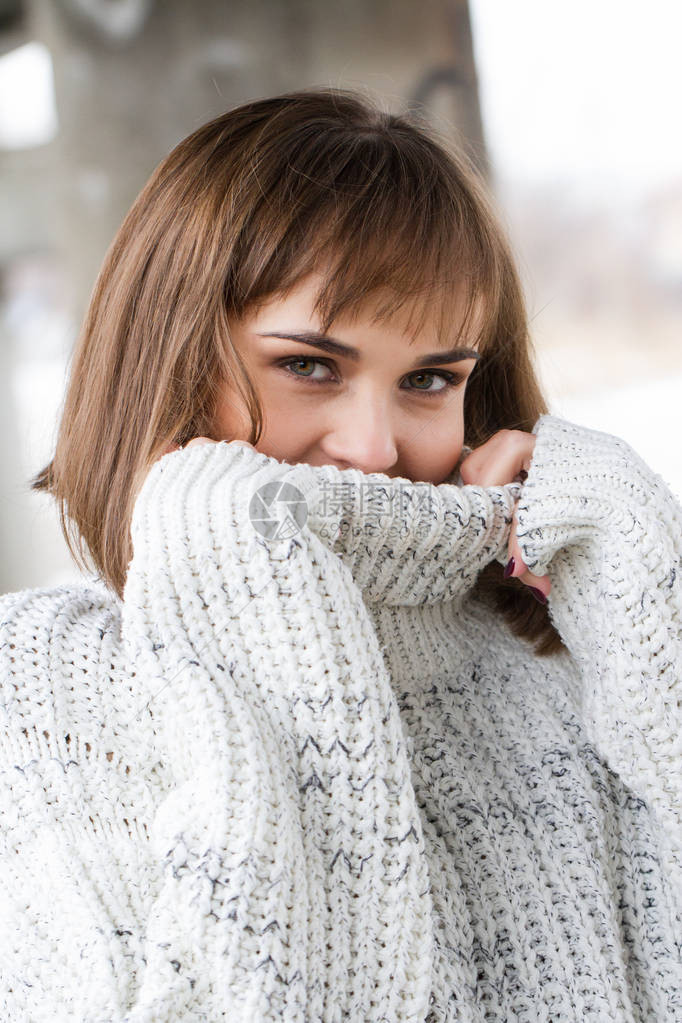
pixel 335 347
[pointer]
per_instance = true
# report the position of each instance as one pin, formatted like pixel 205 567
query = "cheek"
pixel 231 420
pixel 289 431
pixel 442 430
pixel 445 457
pixel 433 454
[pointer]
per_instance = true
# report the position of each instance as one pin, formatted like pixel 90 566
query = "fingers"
pixel 176 447
pixel 196 441
pixel 517 569
pixel 503 458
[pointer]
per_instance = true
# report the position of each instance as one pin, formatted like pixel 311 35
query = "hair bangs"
pixel 384 227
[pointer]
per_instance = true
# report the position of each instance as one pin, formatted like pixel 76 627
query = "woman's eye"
pixel 446 379
pixel 424 378
pixel 290 363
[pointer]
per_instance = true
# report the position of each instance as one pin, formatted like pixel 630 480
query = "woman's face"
pixel 379 406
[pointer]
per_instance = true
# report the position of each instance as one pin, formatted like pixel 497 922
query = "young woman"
pixel 309 748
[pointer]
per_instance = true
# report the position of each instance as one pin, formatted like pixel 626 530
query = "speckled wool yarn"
pixel 318 779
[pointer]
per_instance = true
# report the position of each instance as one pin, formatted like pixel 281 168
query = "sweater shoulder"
pixel 53 643
pixel 38 602
pixel 35 621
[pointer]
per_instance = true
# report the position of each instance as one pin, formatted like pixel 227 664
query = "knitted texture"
pixel 314 778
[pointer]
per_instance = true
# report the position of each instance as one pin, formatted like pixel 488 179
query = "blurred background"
pixel 568 108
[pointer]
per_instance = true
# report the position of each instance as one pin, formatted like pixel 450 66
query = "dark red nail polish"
pixel 538 594
pixel 509 568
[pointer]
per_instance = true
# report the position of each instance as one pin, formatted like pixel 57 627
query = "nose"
pixel 361 436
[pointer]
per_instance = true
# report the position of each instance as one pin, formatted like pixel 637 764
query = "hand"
pixel 196 441
pixel 505 457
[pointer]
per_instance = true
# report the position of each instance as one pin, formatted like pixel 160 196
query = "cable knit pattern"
pixel 617 602
pixel 316 779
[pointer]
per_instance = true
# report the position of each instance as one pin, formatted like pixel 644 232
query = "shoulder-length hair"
pixel 242 209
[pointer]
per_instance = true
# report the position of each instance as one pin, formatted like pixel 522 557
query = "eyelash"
pixel 451 379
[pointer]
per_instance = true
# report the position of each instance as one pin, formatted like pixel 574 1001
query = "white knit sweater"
pixel 313 778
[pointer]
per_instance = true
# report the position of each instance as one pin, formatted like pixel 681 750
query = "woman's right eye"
pixel 289 363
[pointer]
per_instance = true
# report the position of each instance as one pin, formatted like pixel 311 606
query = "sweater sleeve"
pixel 608 530
pixel 208 780
pixel 292 879
pixel 404 542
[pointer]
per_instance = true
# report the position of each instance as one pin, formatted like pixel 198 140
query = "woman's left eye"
pixel 447 378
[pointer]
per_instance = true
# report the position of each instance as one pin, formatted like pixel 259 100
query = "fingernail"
pixel 509 568
pixel 538 594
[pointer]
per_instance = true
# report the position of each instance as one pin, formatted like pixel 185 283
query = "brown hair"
pixel 240 210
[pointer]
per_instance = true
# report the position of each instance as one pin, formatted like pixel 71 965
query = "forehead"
pixel 438 316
